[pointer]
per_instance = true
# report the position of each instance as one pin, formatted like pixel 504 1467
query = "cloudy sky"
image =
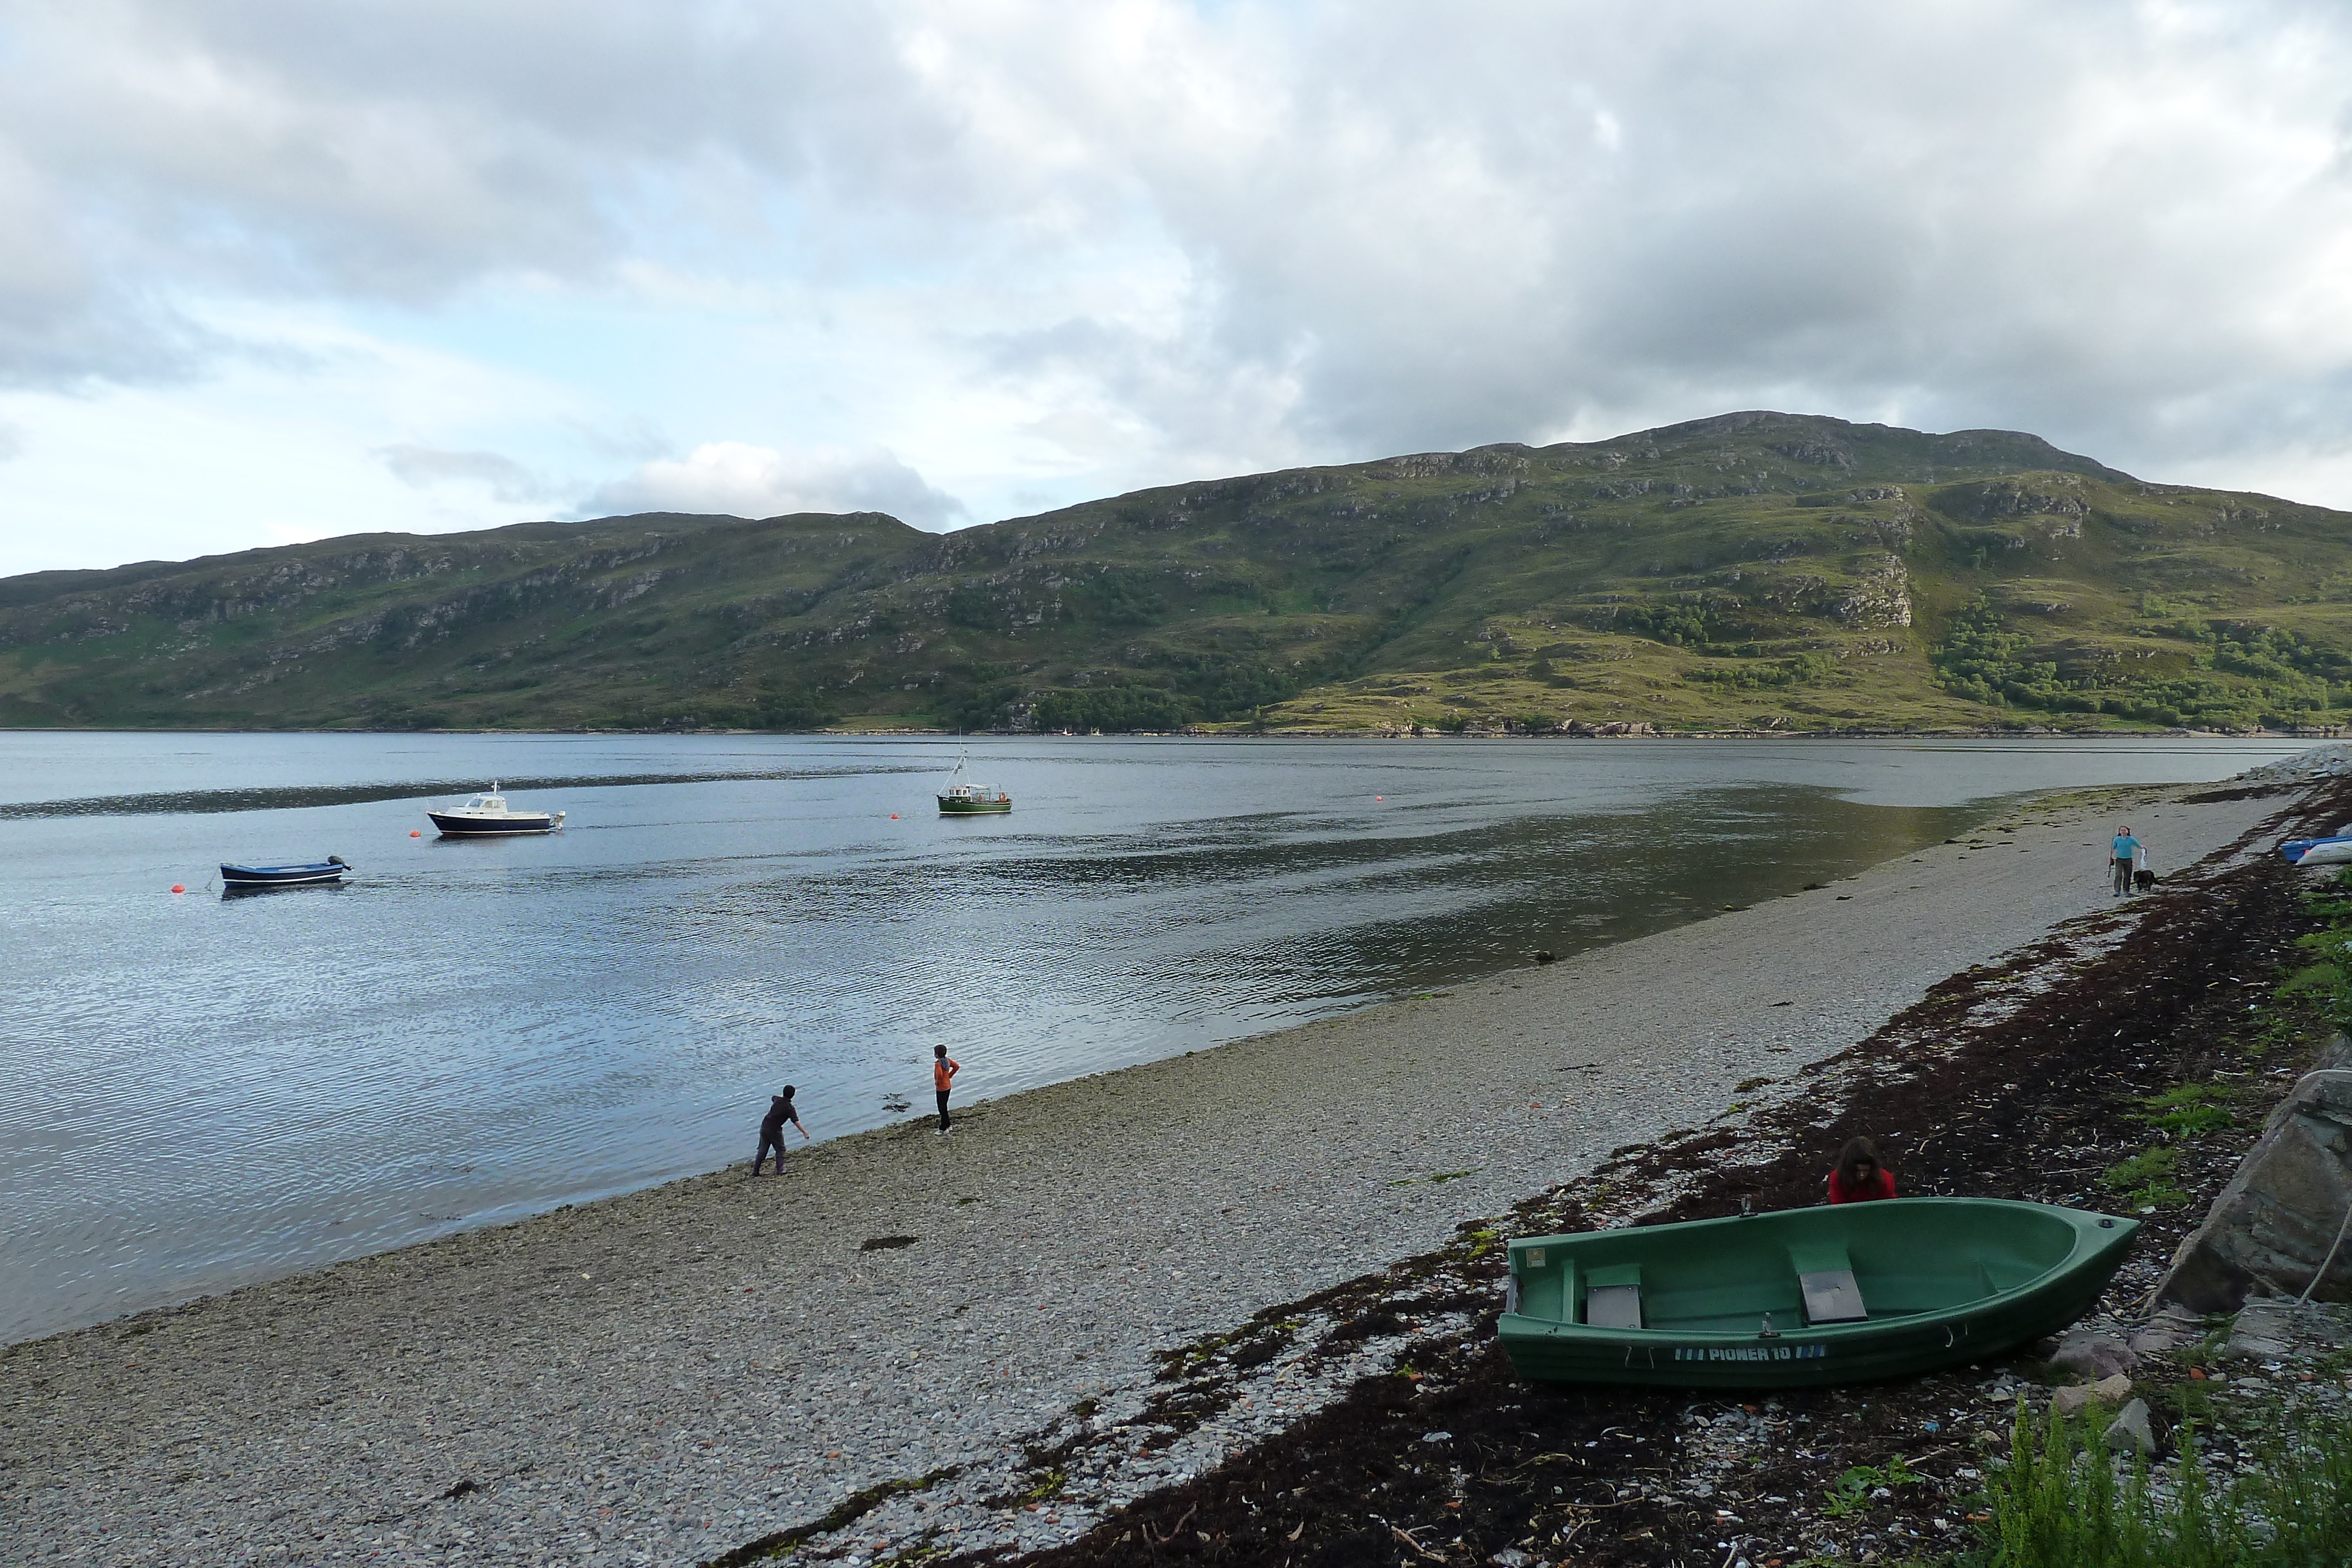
pixel 272 270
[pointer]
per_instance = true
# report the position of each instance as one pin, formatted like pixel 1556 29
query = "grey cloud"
pixel 1172 403
pixel 1834 207
pixel 273 149
pixel 98 335
pixel 65 321
pixel 507 480
pixel 1397 229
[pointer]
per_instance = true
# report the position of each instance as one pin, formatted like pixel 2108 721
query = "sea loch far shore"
pixel 680 1373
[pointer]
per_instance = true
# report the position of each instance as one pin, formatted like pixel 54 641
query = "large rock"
pixel 2094 1356
pixel 2132 1431
pixel 2170 1329
pixel 2278 1330
pixel 2109 1391
pixel 2280 1213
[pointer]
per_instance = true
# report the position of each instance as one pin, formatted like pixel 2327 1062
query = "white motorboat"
pixel 487 815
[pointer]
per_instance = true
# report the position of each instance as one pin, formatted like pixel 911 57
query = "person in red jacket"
pixel 1861 1175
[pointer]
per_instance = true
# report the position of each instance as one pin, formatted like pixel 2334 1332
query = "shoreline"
pixel 721 1359
pixel 2021 732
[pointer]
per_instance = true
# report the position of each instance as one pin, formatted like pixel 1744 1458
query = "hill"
pixel 1754 570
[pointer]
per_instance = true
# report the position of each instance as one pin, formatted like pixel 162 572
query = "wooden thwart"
pixel 1826 1275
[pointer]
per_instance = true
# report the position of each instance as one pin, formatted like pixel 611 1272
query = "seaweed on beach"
pixel 2033 1079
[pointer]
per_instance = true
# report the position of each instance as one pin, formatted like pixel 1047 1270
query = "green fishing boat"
pixel 962 798
pixel 1841 1293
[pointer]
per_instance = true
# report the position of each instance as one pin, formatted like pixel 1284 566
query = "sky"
pixel 273 271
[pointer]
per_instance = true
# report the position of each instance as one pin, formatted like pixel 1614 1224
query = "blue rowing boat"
pixel 331 869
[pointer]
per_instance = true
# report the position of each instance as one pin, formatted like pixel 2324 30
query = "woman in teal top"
pixel 2126 850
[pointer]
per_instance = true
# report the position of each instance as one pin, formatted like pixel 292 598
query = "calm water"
pixel 203 1090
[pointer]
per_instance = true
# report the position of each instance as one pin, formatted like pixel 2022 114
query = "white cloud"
pixel 747 481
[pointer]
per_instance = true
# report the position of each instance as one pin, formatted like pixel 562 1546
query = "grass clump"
pixel 1852 1491
pixel 2187 1111
pixel 2146 1179
pixel 2326 979
pixel 2058 1502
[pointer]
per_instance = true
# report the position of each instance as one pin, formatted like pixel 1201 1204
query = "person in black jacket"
pixel 772 1129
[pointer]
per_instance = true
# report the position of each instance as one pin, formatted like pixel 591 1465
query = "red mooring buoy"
pixel 179 887
pixel 415 833
pixel 894 816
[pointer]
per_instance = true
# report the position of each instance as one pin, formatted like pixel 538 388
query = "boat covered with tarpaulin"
pixel 2335 849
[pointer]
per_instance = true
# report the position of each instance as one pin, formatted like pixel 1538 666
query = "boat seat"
pixel 1826 1275
pixel 1612 1297
pixel 1544 1291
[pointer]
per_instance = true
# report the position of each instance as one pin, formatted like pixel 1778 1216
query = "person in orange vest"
pixel 943 1071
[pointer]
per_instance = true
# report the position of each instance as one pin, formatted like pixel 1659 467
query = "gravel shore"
pixel 666 1376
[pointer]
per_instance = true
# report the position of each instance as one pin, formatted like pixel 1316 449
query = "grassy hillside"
pixel 1756 571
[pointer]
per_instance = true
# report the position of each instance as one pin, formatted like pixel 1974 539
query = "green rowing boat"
pixel 1840 1294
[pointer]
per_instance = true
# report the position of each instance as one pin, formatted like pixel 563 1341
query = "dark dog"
pixel 2143 880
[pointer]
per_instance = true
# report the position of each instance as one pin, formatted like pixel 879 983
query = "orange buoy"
pixel 1379 797
pixel 894 816
pixel 179 887
pixel 415 833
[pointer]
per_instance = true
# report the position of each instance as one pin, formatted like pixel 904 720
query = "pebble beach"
pixel 877 1337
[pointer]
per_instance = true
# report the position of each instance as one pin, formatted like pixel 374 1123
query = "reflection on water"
pixel 207 1090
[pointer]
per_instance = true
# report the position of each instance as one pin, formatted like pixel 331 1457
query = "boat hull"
pixel 949 807
pixel 279 875
pixel 1947 1281
pixel 2317 852
pixel 457 827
